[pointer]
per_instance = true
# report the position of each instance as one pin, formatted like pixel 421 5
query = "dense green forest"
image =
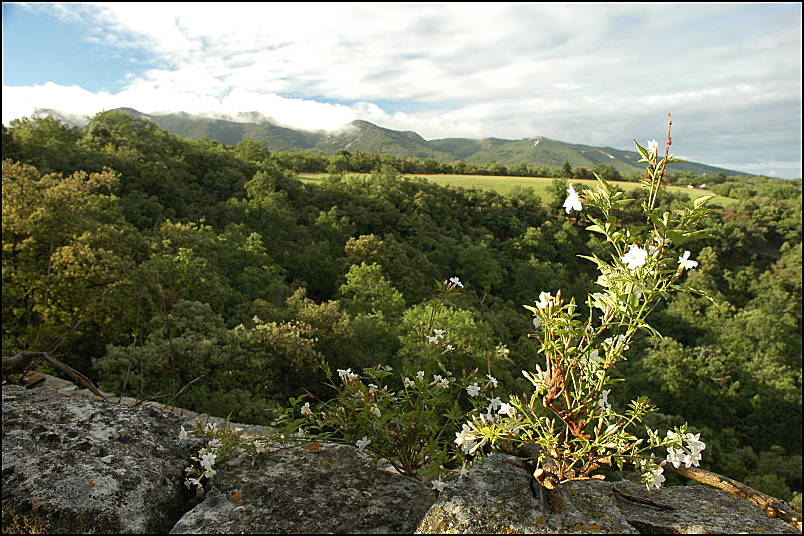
pixel 148 262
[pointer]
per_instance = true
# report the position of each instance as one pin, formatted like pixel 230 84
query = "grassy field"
pixel 506 185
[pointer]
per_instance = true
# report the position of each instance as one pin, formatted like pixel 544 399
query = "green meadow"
pixel 505 185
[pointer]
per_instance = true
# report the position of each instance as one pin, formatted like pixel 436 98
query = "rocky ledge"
pixel 75 463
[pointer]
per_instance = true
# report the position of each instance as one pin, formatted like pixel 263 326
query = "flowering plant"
pixel 568 415
pixel 410 427
pixel 409 419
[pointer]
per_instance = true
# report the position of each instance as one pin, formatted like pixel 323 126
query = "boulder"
pixel 74 463
pixel 495 497
pixel 316 488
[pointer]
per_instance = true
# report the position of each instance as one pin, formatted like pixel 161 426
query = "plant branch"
pixel 771 506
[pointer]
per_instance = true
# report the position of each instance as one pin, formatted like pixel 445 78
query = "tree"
pixel 67 258
pixel 566 170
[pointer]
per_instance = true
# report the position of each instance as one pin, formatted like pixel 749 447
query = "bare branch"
pixel 772 506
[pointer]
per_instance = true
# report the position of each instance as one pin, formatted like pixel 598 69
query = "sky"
pixel 599 74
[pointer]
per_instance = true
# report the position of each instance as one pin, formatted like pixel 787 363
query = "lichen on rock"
pixel 332 488
pixel 495 497
pixel 76 463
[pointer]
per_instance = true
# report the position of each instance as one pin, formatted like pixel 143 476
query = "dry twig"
pixel 772 506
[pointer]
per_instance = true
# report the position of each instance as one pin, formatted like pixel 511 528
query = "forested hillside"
pixel 150 262
pixel 494 155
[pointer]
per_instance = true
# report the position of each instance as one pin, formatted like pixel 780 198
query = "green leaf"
pixel 701 201
pixel 642 150
pixel 596 229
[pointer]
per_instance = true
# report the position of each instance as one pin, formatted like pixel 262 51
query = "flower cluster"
pixel 690 454
pixel 206 458
pixel 453 282
pixel 405 426
pixel 347 376
pixel 439 334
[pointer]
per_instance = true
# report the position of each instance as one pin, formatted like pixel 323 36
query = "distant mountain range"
pixel 370 138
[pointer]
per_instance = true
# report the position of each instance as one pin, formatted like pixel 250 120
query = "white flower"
pixel 494 403
pixel 376 411
pixel 573 202
pixel 306 411
pixel 439 486
pixel 464 472
pixel 455 282
pixel 450 347
pixel 507 409
pixel 407 382
pixel 362 443
pixel 214 443
pixel 347 376
pixel 432 340
pixel 209 473
pixel 439 333
pixel 208 460
pixel 540 379
pixel 692 459
pixel 656 478
pixel 210 427
pixel 537 323
pixel 685 263
pixel 653 147
pixel 545 298
pixel 420 375
pixel 183 435
pixel 675 456
pixel 690 455
pixel 694 444
pixel 635 257
pixel 492 380
pixel 604 399
pixel 473 389
pixel 441 382
pixel 465 438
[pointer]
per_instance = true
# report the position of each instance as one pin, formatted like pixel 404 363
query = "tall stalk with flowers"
pixel 568 415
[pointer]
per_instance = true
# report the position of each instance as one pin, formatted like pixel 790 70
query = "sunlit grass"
pixel 505 185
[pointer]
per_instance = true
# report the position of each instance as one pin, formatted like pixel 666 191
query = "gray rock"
pixel 316 489
pixel 495 498
pixel 73 463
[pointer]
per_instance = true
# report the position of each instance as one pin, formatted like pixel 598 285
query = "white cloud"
pixel 583 73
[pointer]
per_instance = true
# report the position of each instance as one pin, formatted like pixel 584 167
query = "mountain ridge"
pixel 364 136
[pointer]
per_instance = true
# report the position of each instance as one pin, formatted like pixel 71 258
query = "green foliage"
pixel 367 292
pixel 100 257
pixel 67 258
pixel 408 426
pixel 190 359
pixel 462 349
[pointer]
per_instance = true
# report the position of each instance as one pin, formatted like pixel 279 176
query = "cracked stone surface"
pixel 75 463
pixel 495 498
pixel 324 489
